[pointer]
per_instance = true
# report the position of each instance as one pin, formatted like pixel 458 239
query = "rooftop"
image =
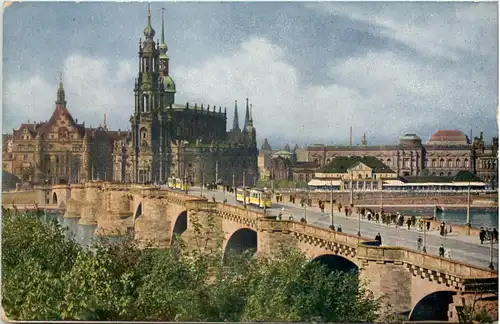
pixel 341 164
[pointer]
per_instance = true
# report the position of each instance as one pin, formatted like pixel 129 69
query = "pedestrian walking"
pixel 419 243
pixel 441 228
pixel 482 235
pixel 441 251
pixel 378 238
pixel 408 222
pixel 339 228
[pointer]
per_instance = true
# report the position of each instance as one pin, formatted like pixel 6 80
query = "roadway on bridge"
pixel 463 248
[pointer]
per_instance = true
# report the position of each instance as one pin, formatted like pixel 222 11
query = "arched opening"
pixel 54 198
pixel 180 226
pixel 243 240
pixel 433 307
pixel 138 211
pixel 337 263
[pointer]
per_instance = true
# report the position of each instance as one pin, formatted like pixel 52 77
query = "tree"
pixel 48 277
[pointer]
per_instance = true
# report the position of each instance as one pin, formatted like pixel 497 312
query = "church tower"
pixel 149 107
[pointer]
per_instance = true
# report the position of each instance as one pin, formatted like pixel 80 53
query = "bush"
pixel 49 277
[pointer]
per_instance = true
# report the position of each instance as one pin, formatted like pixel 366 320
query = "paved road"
pixel 463 248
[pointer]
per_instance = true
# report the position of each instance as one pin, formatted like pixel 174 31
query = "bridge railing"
pixel 425 261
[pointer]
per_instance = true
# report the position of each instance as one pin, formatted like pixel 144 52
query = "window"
pixel 25 158
pixel 389 162
pixel 449 164
pixel 466 163
pixel 433 163
pixel 457 163
pixel 441 163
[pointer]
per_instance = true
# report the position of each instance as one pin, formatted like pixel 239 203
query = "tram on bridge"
pixel 255 197
pixel 176 183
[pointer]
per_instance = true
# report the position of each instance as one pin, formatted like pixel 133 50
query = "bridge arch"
pixel 54 198
pixel 180 225
pixel 433 307
pixel 336 262
pixel 242 240
pixel 138 211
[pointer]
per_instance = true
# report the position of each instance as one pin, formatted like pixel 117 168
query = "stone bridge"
pixel 409 278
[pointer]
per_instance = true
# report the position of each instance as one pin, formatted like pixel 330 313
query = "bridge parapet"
pixel 452 273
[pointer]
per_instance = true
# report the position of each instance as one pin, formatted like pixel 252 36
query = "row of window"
pixel 434 163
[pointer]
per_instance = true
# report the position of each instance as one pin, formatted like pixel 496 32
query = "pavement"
pixel 463 248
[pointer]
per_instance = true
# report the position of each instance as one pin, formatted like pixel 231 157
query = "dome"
pixel 411 137
pixel 168 84
pixel 448 137
pixel 410 140
pixel 149 32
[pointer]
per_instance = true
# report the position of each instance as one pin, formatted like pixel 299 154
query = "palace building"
pixel 166 139
pixel 57 151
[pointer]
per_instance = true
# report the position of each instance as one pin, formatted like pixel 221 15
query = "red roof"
pixel 448 137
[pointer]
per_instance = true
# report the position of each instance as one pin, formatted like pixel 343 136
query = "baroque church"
pixel 169 140
pixel 166 139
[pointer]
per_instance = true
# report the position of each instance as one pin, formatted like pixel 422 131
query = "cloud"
pixel 385 69
pixel 447 30
pixel 380 93
pixel 93 86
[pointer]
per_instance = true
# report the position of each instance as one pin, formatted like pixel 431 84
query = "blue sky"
pixel 310 69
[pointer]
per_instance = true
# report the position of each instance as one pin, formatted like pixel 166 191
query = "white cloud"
pixel 93 86
pixel 379 93
pixel 447 33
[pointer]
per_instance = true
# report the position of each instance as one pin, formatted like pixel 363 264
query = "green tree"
pixel 47 276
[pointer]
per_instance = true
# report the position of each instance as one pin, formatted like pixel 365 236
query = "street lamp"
pixel 244 193
pixel 350 199
pixel 491 252
pixel 468 210
pixel 424 249
pixel 332 225
pixel 234 189
pixel 203 183
pixel 46 191
pixel 305 205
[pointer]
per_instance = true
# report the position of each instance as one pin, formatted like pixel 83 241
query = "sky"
pixel 310 69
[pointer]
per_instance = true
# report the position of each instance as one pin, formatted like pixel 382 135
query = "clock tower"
pixel 148 115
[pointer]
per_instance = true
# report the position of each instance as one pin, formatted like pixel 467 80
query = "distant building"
pixel 58 151
pixel 364 173
pixel 445 154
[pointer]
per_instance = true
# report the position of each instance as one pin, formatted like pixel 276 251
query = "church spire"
pixel 61 96
pixel 163 46
pixel 250 119
pixel 149 32
pixel 247 116
pixel 235 118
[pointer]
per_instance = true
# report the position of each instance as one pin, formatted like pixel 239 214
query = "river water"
pixel 478 216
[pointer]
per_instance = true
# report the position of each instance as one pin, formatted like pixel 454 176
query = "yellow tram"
pixel 255 197
pixel 176 183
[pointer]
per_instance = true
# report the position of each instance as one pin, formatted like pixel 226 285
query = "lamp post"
pixel 185 181
pixel 350 199
pixel 491 252
pixel 46 191
pixel 468 210
pixel 244 193
pixel 424 249
pixel 305 205
pixel 203 183
pixel 234 189
pixel 332 223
